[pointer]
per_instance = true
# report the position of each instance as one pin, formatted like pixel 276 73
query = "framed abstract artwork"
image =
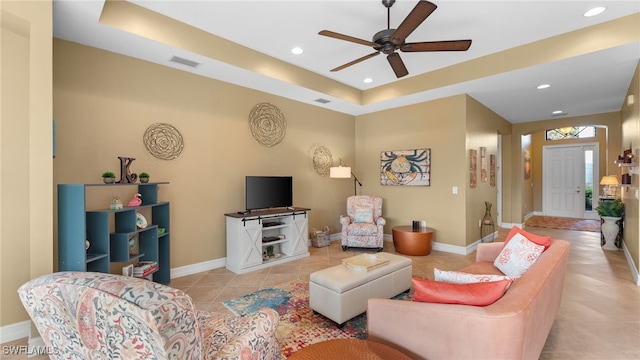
pixel 473 168
pixel 405 167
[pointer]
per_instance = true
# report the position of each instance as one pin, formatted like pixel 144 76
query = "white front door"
pixel 570 180
pixel 563 181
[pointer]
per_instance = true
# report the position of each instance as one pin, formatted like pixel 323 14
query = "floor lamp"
pixel 344 172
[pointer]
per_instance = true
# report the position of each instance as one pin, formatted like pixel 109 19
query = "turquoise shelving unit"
pixel 109 231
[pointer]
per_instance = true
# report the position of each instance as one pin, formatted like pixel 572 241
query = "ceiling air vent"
pixel 322 101
pixel 184 61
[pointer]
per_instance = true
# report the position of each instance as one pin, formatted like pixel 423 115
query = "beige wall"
pixel 104 102
pixel 630 114
pixel 25 150
pixel 483 129
pixel 449 127
pixel 426 125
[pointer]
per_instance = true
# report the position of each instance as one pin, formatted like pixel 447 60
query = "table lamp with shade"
pixel 609 182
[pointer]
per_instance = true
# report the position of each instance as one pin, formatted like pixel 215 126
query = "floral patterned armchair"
pixel 85 315
pixel 364 225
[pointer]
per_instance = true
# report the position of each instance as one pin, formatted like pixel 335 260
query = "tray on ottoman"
pixel 365 262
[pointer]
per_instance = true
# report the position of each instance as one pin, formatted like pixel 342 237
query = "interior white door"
pixel 563 182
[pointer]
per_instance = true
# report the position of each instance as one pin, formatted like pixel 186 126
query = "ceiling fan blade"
pixel 335 35
pixel 356 61
pixel 397 65
pixel 420 12
pixel 447 45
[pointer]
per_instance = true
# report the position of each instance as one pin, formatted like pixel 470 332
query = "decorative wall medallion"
pixel 322 159
pixel 163 141
pixel 267 124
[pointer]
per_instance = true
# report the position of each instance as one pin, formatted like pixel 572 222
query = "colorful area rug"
pixel 564 223
pixel 299 325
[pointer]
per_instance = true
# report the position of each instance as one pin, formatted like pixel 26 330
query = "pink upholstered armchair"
pixel 364 225
pixel 85 315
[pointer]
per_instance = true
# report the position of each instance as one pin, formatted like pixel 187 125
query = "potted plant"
pixel 108 177
pixel 611 212
pixel 144 177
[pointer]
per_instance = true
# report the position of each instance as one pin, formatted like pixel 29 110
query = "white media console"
pixel 249 235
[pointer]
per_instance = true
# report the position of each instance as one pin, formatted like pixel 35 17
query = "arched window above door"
pixel 570 132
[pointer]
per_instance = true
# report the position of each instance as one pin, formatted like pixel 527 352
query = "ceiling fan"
pixel 389 40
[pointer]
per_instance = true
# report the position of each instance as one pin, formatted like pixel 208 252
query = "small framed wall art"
pixel 492 170
pixel 483 164
pixel 473 168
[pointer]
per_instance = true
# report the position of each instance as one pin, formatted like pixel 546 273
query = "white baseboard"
pixel 198 267
pixel 22 330
pixel 15 331
pixel 632 266
pixel 37 347
pixel 511 225
pixel 454 249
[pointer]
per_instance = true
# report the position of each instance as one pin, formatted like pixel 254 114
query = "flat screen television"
pixel 265 192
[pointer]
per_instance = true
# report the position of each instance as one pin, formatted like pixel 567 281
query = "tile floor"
pixel 599 317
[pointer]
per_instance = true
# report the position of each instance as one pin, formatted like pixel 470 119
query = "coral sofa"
pixel 84 315
pixel 514 327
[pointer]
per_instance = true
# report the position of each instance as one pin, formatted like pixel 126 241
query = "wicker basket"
pixel 320 238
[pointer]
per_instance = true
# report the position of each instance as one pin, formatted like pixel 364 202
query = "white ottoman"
pixel 340 293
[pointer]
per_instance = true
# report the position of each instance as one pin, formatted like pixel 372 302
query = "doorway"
pixel 569 182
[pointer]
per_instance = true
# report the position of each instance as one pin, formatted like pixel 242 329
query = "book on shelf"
pixel 127 270
pixel 144 268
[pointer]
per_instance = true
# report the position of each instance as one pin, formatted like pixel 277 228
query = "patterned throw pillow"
pixel 517 256
pixel 459 277
pixel 477 294
pixel 363 216
pixel 538 239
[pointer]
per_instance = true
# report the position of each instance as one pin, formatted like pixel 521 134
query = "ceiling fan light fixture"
pixel 594 11
pixel 390 40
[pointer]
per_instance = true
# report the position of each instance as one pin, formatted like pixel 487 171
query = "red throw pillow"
pixel 537 239
pixel 477 294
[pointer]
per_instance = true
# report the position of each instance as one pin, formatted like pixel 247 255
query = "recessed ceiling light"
pixel 559 113
pixel 595 11
pixel 297 50
pixel 367 80
pixel 543 86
